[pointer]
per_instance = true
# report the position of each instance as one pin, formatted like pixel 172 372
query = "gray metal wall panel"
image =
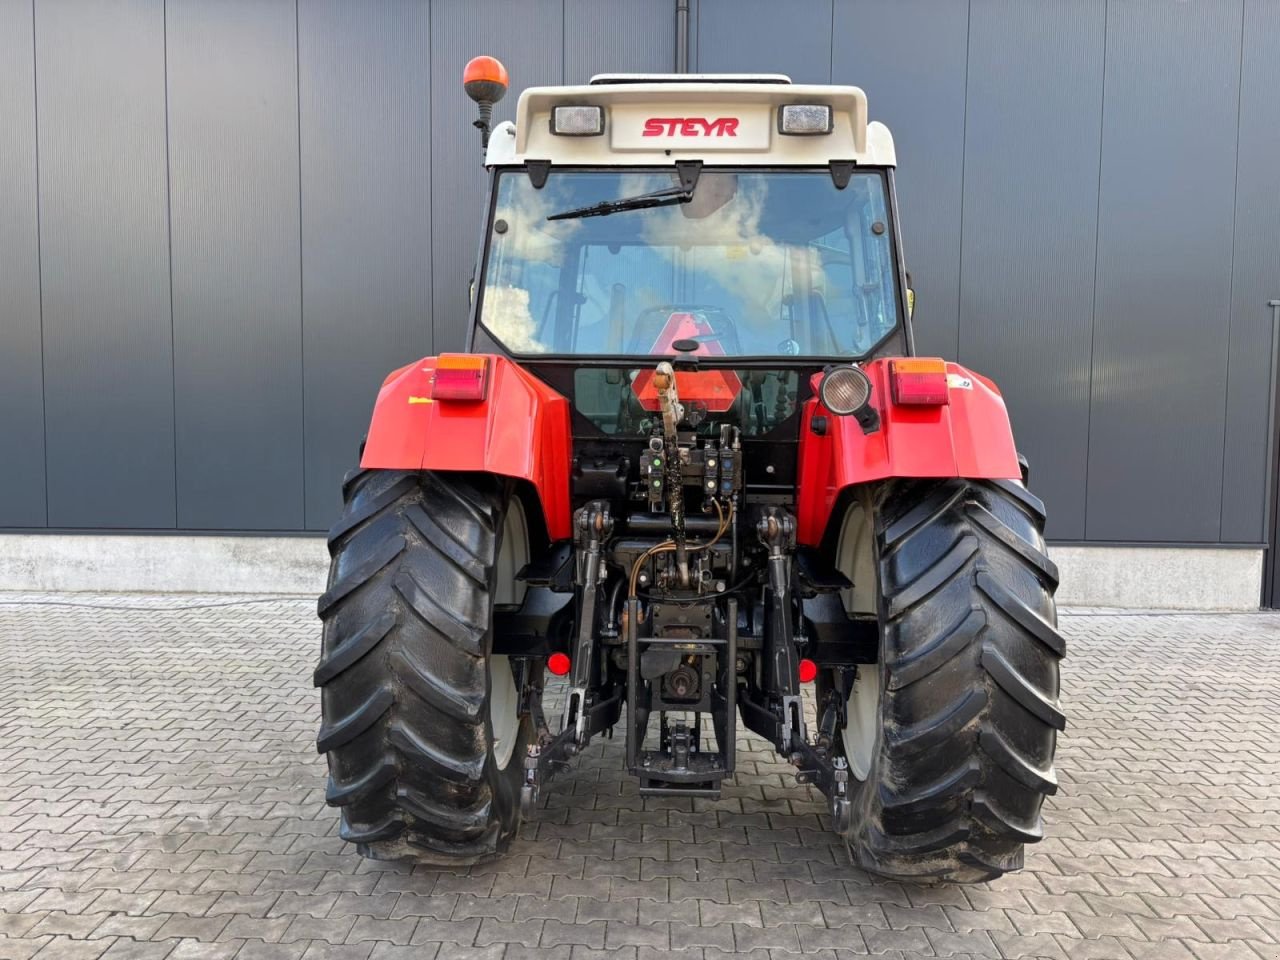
pixel 389 219
pixel 527 38
pixel 909 56
pixel 1164 270
pixel 764 36
pixel 21 379
pixel 366 200
pixel 1026 287
pixel 1255 276
pixel 105 263
pixel 634 37
pixel 233 154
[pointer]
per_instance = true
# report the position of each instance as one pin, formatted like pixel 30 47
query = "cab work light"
pixel 804 119
pixel 919 382
pixel 460 377
pixel 577 121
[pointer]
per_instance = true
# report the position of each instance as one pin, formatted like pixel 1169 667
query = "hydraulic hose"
pixel 667 546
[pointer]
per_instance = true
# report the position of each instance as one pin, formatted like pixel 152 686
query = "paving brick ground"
pixel 160 797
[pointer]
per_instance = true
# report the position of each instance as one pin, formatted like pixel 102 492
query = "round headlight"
pixel 845 390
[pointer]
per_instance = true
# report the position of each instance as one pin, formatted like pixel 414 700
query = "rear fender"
pixel 520 429
pixel 969 437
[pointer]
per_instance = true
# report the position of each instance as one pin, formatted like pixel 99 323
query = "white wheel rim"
pixel 855 559
pixel 862 717
pixel 504 709
pixel 504 697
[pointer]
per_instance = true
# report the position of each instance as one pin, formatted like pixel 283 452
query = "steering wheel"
pixel 651 321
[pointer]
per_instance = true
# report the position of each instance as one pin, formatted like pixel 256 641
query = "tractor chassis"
pixel 679 767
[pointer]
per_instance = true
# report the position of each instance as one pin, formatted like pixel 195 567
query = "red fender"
pixel 969 437
pixel 520 429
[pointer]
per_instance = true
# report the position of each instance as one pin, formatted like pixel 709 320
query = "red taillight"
pixel 460 376
pixel 559 664
pixel 808 671
pixel 919 383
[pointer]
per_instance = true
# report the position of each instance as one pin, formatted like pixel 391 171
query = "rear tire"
pixel 421 724
pixel 949 783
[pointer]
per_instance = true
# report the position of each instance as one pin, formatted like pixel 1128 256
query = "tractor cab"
pixel 742 226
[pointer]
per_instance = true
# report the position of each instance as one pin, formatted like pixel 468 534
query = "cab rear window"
pixel 778 263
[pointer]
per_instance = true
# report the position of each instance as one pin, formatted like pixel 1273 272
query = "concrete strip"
pixel 1160 578
pixel 1144 578
pixel 162 564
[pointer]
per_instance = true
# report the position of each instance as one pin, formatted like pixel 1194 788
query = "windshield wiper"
pixel 659 198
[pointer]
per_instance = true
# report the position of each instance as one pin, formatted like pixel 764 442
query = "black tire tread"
pixel 407 619
pixel 930 795
pixel 1003 535
pixel 433 614
pixel 346 727
pixel 339 794
pixel 352 649
pixel 364 571
pixel 370 508
pixel 969 704
pixel 906 670
pixel 1022 614
pixel 942 571
pixel 1012 682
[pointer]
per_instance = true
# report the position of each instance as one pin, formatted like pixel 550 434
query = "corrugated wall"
pixel 1091 202
pixel 222 222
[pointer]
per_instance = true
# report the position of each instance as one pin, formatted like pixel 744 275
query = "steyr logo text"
pixel 690 127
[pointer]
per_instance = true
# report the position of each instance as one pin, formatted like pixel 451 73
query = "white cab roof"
pixel 654 121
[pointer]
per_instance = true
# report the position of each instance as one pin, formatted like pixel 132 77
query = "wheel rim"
pixel 504 709
pixel 855 559
pixel 862 719
pixel 504 697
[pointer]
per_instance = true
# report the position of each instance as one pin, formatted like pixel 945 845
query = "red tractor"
pixel 692 467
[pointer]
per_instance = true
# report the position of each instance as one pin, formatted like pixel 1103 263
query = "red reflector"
pixel 808 671
pixel 460 377
pixel 559 663
pixel 919 383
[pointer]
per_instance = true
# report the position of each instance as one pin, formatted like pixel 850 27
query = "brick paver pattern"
pixel 160 796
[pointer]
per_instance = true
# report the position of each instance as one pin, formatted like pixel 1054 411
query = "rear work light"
pixel 804 119
pixel 577 121
pixel 460 377
pixel 919 383
pixel 844 390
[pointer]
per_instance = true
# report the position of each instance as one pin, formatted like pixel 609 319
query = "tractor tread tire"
pixel 969 702
pixel 403 673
